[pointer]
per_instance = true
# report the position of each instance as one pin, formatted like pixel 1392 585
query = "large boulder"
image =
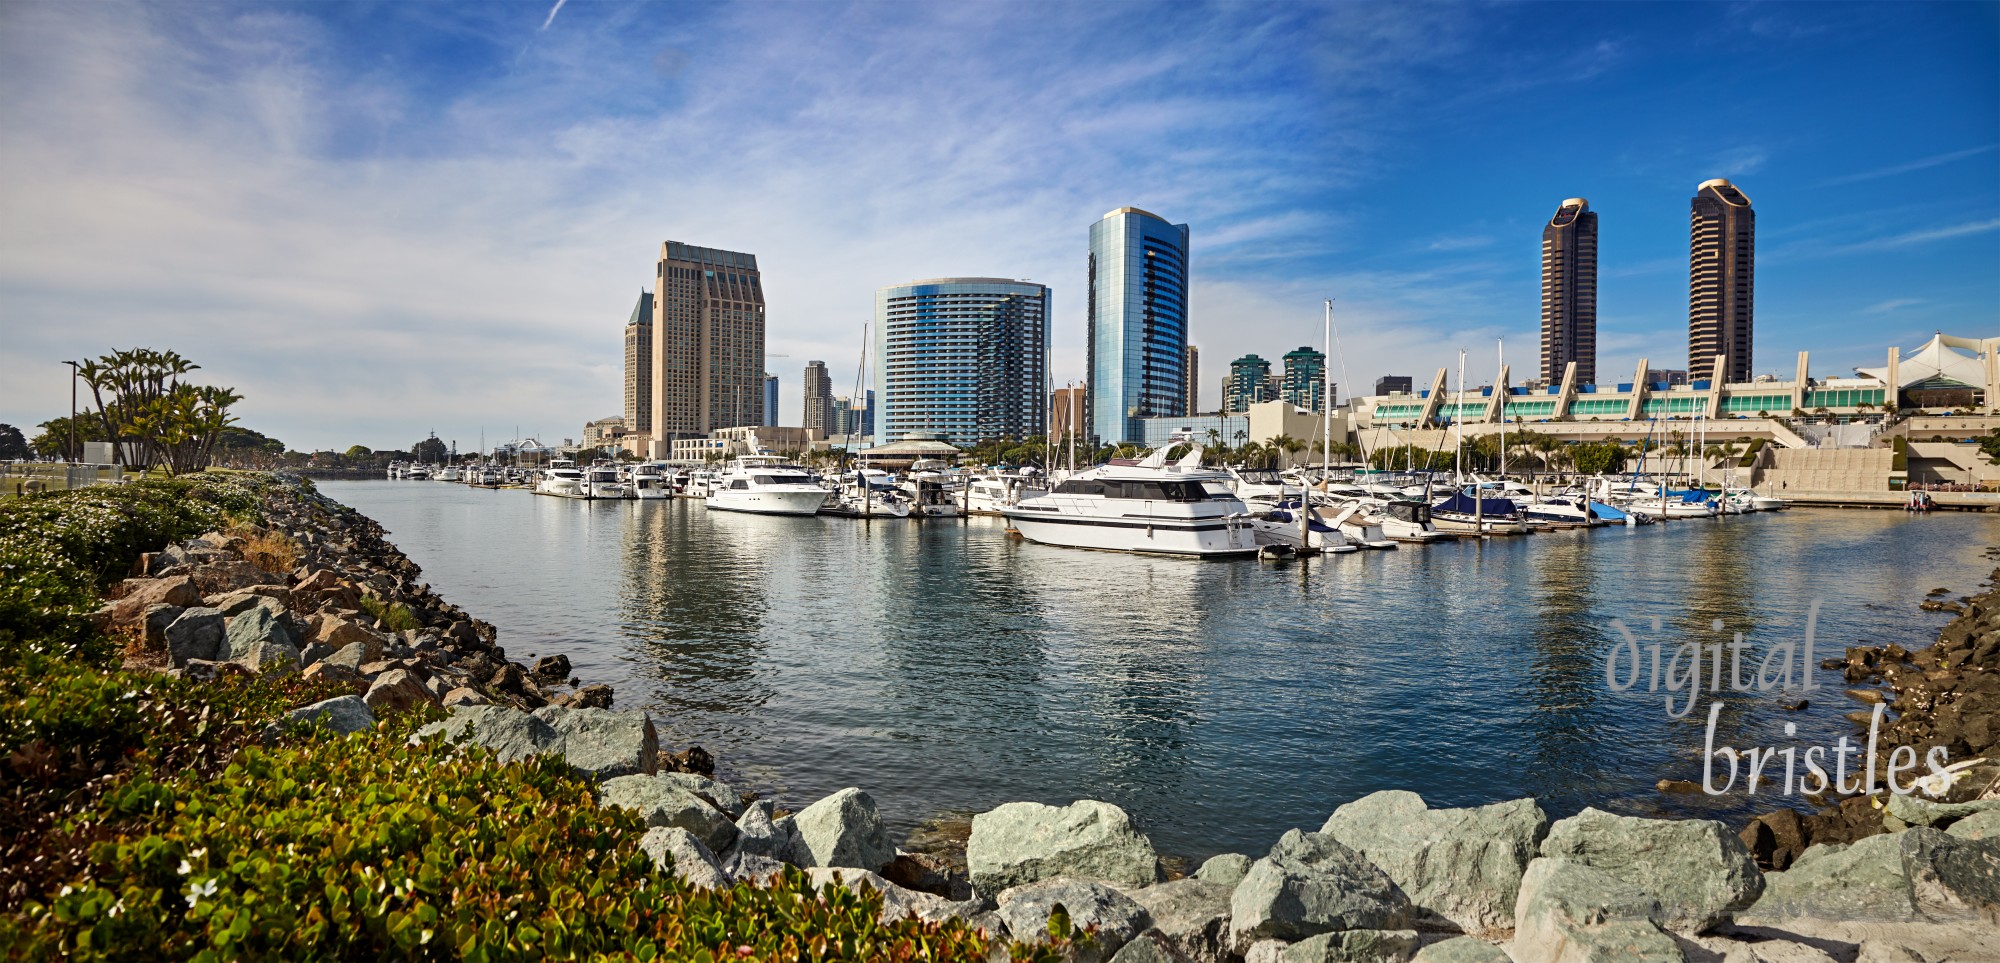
pixel 899 903
pixel 268 657
pixel 337 633
pixel 234 603
pixel 226 575
pixel 1696 868
pixel 1862 881
pixel 1464 865
pixel 661 802
pixel 603 744
pixel 1152 946
pixel 1312 884
pixel 140 593
pixel 196 633
pixel 153 623
pixel 1572 913
pixel 718 794
pixel 1226 869
pixel 844 830
pixel 257 624
pixel 510 733
pixel 1984 825
pixel 341 714
pixel 399 690
pixel 1191 914
pixel 677 851
pixel 1463 949
pixel 757 834
pixel 1903 812
pixel 1354 946
pixel 1022 842
pixel 1952 878
pixel 1086 902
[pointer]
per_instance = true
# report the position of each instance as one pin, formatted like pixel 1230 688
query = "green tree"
pixel 54 439
pixel 359 451
pixel 1599 457
pixel 1990 446
pixel 430 451
pixel 13 446
pixel 141 400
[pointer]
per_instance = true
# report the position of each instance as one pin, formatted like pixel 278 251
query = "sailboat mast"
pixel 1500 391
pixel 1326 405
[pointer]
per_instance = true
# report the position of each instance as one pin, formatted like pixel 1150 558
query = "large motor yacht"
pixel 766 485
pixel 1150 507
pixel 649 481
pixel 562 477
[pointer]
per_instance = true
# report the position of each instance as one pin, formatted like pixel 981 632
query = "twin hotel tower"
pixel 967 358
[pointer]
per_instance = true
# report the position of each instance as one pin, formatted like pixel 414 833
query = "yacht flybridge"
pixel 766 485
pixel 1151 507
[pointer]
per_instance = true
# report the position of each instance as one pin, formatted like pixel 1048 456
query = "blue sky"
pixel 382 219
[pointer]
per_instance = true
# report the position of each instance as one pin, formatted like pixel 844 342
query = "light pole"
pixel 74 372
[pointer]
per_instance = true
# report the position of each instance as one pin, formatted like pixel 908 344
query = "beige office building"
pixel 708 343
pixel 639 372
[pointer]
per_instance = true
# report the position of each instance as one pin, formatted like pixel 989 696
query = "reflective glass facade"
pixel 1138 324
pixel 964 357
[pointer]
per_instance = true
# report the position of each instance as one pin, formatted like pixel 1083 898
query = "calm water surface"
pixel 946 667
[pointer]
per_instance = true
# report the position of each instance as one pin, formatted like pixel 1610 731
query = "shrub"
pixel 395 615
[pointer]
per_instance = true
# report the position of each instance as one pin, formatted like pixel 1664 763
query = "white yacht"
pixel 1261 487
pixel 603 481
pixel 1279 526
pixel 1150 507
pixel 648 481
pixel 932 494
pixel 766 485
pixel 701 482
pixel 448 474
pixel 867 493
pixel 563 478
pixel 989 493
pixel 417 473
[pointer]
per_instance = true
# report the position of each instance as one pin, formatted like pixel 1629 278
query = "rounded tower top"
pixel 1728 192
pixel 1581 202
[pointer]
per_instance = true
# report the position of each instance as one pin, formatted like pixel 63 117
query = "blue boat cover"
pixel 1463 504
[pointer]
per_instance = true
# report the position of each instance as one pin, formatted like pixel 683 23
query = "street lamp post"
pixel 74 372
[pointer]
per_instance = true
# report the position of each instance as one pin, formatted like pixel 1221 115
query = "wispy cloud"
pixel 1893 304
pixel 1461 242
pixel 552 13
pixel 1914 238
pixel 1923 163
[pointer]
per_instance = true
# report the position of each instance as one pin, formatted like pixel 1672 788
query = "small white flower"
pixel 185 868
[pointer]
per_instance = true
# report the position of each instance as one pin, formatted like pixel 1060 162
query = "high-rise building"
pixel 1569 292
pixel 639 368
pixel 1069 412
pixel 1138 322
pixel 708 343
pixel 1722 274
pixel 817 388
pixel 1305 378
pixel 1192 378
pixel 1390 384
pixel 964 357
pixel 770 400
pixel 1249 383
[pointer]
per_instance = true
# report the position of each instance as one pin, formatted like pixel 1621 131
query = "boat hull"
pixel 1197 538
pixel 767 502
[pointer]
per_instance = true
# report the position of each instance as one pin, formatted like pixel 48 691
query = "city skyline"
pixel 428 217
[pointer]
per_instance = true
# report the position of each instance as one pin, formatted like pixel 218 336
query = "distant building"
pixel 604 432
pixel 1305 378
pixel 1069 412
pixel 724 443
pixel 639 368
pixel 1722 279
pixel 963 358
pixel 817 388
pixel 770 399
pixel 1137 321
pixel 1665 376
pixel 708 342
pixel 1192 378
pixel 1249 383
pixel 1569 292
pixel 1393 384
pixel 852 418
pixel 1260 423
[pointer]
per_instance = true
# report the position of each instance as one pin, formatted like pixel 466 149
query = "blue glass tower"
pixel 1138 323
pixel 964 357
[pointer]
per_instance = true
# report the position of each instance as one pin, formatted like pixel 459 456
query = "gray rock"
pixel 1463 949
pixel 510 733
pixel 1089 903
pixel 844 830
pixel 1265 951
pixel 196 633
pixel 1952 878
pixel 254 625
pixel 1190 914
pixel 675 850
pixel 1883 951
pixel 1312 884
pixel 235 603
pixel 1573 913
pixel 1697 868
pixel 314 653
pixel 1226 869
pixel 1984 825
pixel 153 623
pixel 1462 864
pixel 897 902
pixel 343 714
pixel 1863 881
pixel 661 802
pixel 719 794
pixel 1149 947
pixel 1022 842
pixel 759 835
pixel 1768 951
pixel 266 657
pixel 750 867
pixel 1354 946
pixel 1906 811
pixel 603 744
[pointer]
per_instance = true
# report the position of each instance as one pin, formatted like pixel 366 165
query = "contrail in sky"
pixel 552 13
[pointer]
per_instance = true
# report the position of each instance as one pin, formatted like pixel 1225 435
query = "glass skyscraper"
pixel 964 357
pixel 1138 323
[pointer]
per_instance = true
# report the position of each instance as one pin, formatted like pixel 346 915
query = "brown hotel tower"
pixel 708 343
pixel 1722 275
pixel 1569 292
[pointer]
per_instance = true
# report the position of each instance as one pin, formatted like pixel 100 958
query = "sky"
pixel 380 220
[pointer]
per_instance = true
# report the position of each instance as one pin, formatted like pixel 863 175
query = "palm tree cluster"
pixel 143 405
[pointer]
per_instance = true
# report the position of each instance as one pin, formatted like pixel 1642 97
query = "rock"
pixel 1573 913
pixel 1192 915
pixel 1022 842
pixel 1906 811
pixel 758 835
pixel 750 867
pixel 196 633
pixel 1984 825
pixel 141 594
pixel 324 586
pixel 510 733
pixel 206 670
pixel 1862 881
pixel 844 830
pixel 463 696
pixel 1696 868
pixel 223 576
pixel 551 669
pixel 1775 839
pixel 1769 951
pixel 593 697
pixel 603 744
pixel 1462 864
pixel 342 714
pixel 1952 878
pixel 153 625
pixel 663 803
pixel 1149 947
pixel 255 625
pixel 234 603
pixel 313 654
pixel 1118 919
pixel 1681 786
pixel 1226 869
pixel 1312 884
pixel 1354 946
pixel 268 657
pixel 336 674
pixel 1265 951
pixel 676 850
pixel 1883 951
pixel 1463 949
pixel 925 874
pixel 398 691
pixel 338 633
pixel 693 759
pixel 714 793
pixel 897 902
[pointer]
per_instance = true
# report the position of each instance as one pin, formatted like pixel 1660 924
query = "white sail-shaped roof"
pixel 1937 361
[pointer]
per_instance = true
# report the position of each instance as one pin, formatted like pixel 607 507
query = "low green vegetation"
pixel 395 615
pixel 145 817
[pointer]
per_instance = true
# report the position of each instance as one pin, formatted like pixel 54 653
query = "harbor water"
pixel 947 667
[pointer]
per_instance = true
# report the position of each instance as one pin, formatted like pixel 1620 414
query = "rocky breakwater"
pixel 310 586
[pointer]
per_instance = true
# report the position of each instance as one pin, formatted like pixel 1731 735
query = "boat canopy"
pixel 1462 504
